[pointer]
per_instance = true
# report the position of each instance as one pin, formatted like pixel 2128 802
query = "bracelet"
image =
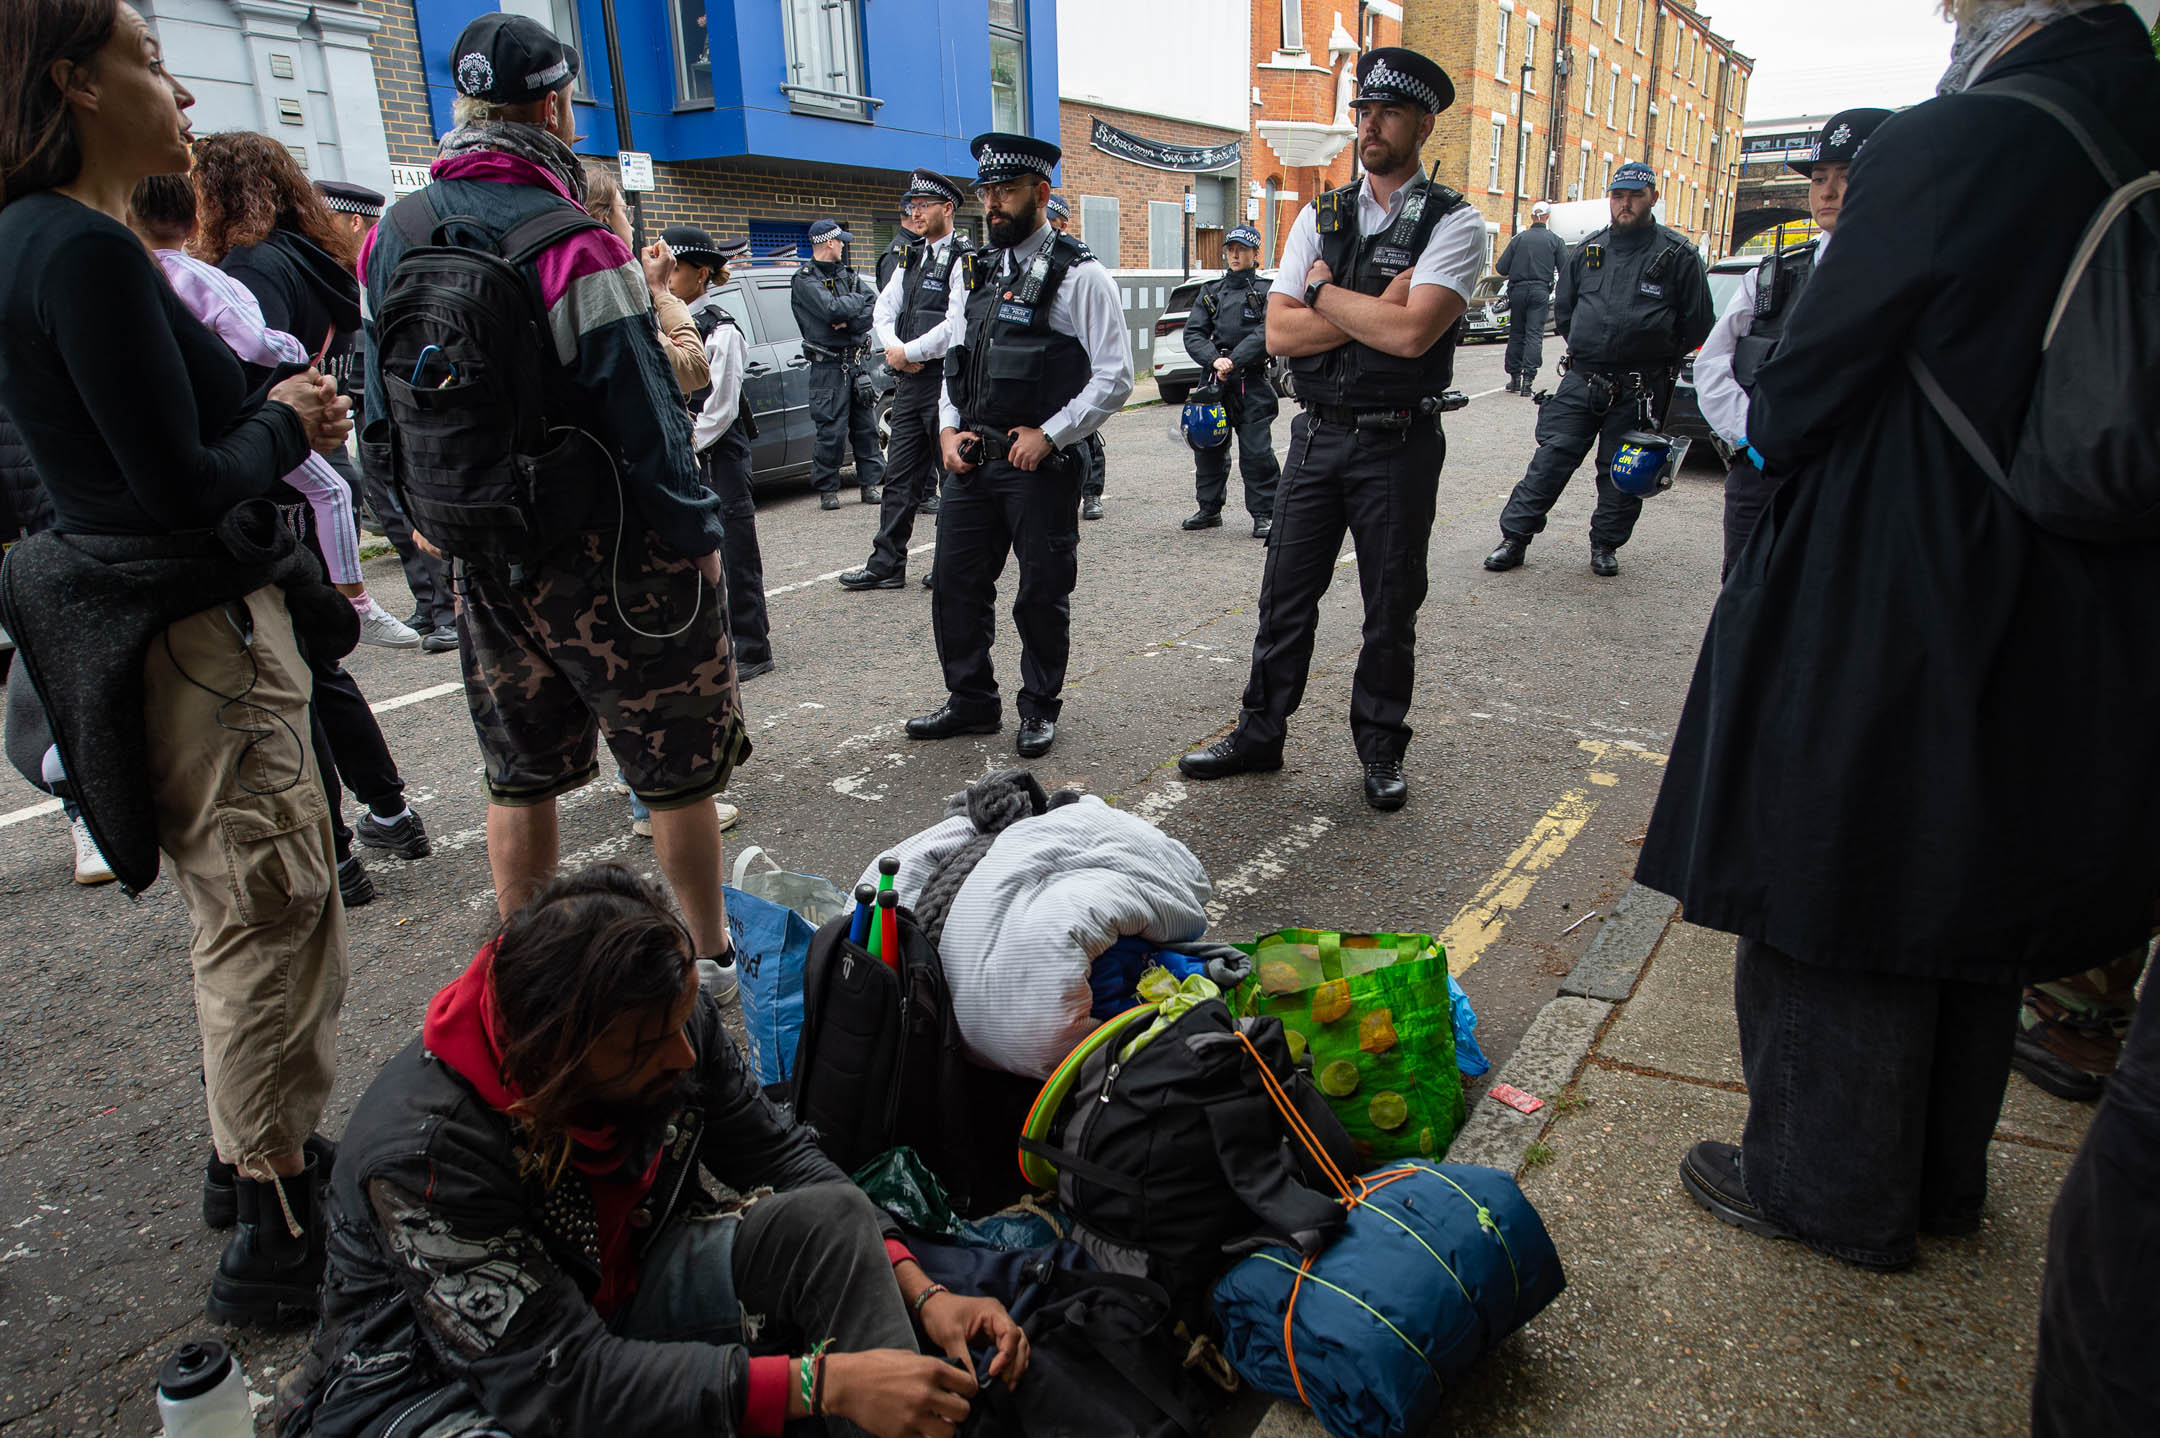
pixel 817 1386
pixel 809 1370
pixel 915 1309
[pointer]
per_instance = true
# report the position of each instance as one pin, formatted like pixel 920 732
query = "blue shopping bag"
pixel 771 943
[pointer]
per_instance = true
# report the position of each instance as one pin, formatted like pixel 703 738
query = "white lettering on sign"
pixel 404 179
pixel 637 173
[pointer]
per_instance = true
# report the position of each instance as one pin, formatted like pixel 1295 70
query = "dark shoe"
pixel 1262 528
pixel 1604 561
pixel 828 500
pixel 221 1203
pixel 1527 381
pixel 419 624
pixel 1036 737
pixel 1508 556
pixel 1091 507
pixel 871 494
pixel 929 578
pixel 1385 787
pixel 1951 1225
pixel 868 578
pixel 273 1264
pixel 751 671
pixel 1514 386
pixel 354 885
pixel 945 722
pixel 407 838
pixel 1223 758
pixel 2031 1056
pixel 1711 1175
pixel 439 641
pixel 1204 519
pixel 928 505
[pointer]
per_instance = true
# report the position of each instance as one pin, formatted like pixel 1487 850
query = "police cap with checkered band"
pixel 1000 157
pixel 930 185
pixel 1841 139
pixel 1392 75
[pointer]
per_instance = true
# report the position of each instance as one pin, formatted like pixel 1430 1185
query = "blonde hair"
pixel 472 110
pixel 1964 13
pixel 603 191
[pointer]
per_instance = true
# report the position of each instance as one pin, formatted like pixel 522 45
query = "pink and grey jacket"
pixel 612 380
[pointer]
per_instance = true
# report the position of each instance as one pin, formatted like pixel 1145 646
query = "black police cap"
pixel 1000 157
pixel 1392 75
pixel 1841 139
pixel 693 244
pixel 930 185
pixel 349 199
pixel 509 59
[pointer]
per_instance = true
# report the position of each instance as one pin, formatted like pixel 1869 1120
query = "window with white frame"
pixel 825 58
pixel 1597 10
pixel 1492 165
pixel 1008 67
pixel 693 53
pixel 1589 84
pixel 1619 14
pixel 1640 6
pixel 1665 125
pixel 1612 96
pixel 1523 141
pixel 1500 51
pixel 567 30
pixel 1529 56
pixel 1605 184
pixel 1582 175
pixel 1293 24
pixel 1634 104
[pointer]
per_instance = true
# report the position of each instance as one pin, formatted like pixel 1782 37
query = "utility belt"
pixel 1397 421
pixel 991 443
pixel 824 354
pixel 1609 384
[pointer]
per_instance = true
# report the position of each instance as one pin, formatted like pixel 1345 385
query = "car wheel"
pixel 1174 393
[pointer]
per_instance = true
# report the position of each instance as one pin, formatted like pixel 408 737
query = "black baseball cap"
pixel 509 59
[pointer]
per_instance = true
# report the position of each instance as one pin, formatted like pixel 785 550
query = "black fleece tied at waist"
pixel 85 608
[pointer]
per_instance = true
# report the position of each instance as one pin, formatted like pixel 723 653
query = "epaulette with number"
pixel 1450 197
pixel 1074 251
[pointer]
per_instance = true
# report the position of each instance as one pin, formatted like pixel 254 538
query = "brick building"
pixel 1552 95
pixel 1304 70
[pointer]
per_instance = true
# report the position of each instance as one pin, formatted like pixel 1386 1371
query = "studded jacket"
pixel 454 1281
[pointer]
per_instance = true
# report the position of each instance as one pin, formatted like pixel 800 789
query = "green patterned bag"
pixel 1373 1012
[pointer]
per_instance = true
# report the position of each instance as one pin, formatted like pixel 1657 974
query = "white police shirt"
pixel 1086 306
pixel 932 343
pixel 1724 404
pixel 1454 254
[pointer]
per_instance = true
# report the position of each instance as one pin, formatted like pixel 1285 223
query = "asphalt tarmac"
pixel 1546 698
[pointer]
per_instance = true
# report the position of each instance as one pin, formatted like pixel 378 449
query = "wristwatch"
pixel 1312 294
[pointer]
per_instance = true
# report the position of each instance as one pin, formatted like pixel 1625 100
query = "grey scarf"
pixel 527 142
pixel 1979 43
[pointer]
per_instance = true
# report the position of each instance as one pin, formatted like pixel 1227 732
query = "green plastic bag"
pixel 899 1182
pixel 1373 1013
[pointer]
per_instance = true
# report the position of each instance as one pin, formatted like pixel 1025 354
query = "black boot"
pixel 221 1203
pixel 273 1264
pixel 1508 556
pixel 1512 384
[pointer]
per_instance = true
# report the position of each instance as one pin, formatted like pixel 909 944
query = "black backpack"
pixel 879 1064
pixel 2087 461
pixel 467 361
pixel 1183 1155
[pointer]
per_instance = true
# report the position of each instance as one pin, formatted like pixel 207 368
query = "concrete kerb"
pixel 1609 968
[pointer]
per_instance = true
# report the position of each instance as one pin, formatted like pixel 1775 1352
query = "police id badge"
pixel 1653 288
pixel 1391 260
pixel 1015 314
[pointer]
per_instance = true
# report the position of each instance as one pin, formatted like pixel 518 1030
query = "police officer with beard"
pixel 1091 488
pixel 832 309
pixel 920 314
pixel 1044 361
pixel 1632 303
pixel 1373 279
pixel 1226 334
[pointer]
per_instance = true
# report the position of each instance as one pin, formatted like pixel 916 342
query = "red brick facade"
pixel 1300 85
pixel 1089 171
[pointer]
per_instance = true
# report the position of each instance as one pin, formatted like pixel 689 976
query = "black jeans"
pixel 985 514
pixel 1747 495
pixel 1252 406
pixel 912 470
pixel 1528 303
pixel 1871 1098
pixel 2100 1303
pixel 727 470
pixel 1569 424
pixel 844 416
pixel 1378 486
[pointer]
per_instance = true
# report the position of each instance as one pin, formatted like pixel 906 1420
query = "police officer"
pixel 1754 321
pixel 832 309
pixel 895 254
pixel 721 430
pixel 1530 261
pixel 1091 488
pixel 1632 303
pixel 920 313
pixel 1374 277
pixel 1044 361
pixel 1226 334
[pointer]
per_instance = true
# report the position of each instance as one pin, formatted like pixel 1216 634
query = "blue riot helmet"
pixel 1205 422
pixel 1644 462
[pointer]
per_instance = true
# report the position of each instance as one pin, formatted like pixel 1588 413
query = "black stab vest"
pixel 923 293
pixel 1778 283
pixel 1014 369
pixel 1356 374
pixel 708 318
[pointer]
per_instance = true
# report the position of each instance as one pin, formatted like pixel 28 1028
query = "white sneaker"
pixel 641 827
pixel 718 979
pixel 90 865
pixel 728 814
pixel 378 626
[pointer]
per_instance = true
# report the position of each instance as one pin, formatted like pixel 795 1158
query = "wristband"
pixel 915 1309
pixel 806 1369
pixel 1312 294
pixel 1755 458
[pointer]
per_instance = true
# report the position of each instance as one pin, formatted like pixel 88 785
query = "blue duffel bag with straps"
pixel 1437 1263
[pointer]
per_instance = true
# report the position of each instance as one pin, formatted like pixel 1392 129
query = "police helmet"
pixel 1205 422
pixel 1644 462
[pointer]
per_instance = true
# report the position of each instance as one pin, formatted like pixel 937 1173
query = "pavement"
pixel 1545 702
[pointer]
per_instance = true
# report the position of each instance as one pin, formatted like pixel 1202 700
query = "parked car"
pixel 1684 415
pixel 776 382
pixel 1486 318
pixel 1175 372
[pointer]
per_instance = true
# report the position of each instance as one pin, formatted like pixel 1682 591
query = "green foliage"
pixel 1537 1154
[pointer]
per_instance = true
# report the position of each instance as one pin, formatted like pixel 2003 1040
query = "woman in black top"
pixel 146 433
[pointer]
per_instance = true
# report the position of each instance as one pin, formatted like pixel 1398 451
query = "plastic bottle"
pixel 201 1393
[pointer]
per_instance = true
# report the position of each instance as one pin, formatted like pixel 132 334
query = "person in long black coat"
pixel 1917 764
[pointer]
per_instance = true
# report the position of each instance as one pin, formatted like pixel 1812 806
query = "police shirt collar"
pixel 1032 243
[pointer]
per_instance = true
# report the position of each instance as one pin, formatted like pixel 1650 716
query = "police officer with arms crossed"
pixel 721 431
pixel 1091 488
pixel 1373 279
pixel 1044 361
pixel 1530 261
pixel 1226 334
pixel 920 313
pixel 832 309
pixel 1632 303
pixel 1754 320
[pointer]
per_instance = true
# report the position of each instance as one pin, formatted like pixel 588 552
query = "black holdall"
pixel 465 350
pixel 2087 461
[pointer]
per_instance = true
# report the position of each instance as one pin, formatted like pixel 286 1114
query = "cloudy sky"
pixel 1813 57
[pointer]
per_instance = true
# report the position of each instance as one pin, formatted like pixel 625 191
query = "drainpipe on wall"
pixel 622 115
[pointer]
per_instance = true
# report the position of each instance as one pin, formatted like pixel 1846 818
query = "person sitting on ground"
pixel 521 1240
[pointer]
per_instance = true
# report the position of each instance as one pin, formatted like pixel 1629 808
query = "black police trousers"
pixel 844 414
pixel 1097 467
pixel 727 471
pixel 426 576
pixel 1252 406
pixel 985 514
pixel 1568 425
pixel 1528 303
pixel 1747 495
pixel 1379 486
pixel 912 468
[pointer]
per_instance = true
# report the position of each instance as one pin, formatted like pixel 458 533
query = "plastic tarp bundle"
pixel 1437 1264
pixel 1054 892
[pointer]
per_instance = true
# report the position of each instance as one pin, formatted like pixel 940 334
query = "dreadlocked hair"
pixel 593 946
pixel 249 185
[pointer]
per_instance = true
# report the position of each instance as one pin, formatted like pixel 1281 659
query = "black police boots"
pixel 1223 758
pixel 1514 385
pixel 828 500
pixel 1385 787
pixel 868 578
pixel 1204 519
pixel 1035 738
pixel 1604 561
pixel 945 722
pixel 272 1266
pixel 1509 555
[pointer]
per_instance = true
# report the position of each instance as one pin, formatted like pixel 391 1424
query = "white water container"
pixel 202 1394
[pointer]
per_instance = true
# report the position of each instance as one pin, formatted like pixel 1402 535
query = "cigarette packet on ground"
pixel 1515 1098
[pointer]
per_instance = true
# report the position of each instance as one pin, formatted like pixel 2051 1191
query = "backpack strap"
pixel 1952 415
pixel 2103 144
pixel 1078 1167
pixel 416 218
pixel 526 239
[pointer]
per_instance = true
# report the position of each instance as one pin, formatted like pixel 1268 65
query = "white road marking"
pixel 31 811
pixel 1269 864
pixel 1157 803
pixel 829 578
pixel 420 696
